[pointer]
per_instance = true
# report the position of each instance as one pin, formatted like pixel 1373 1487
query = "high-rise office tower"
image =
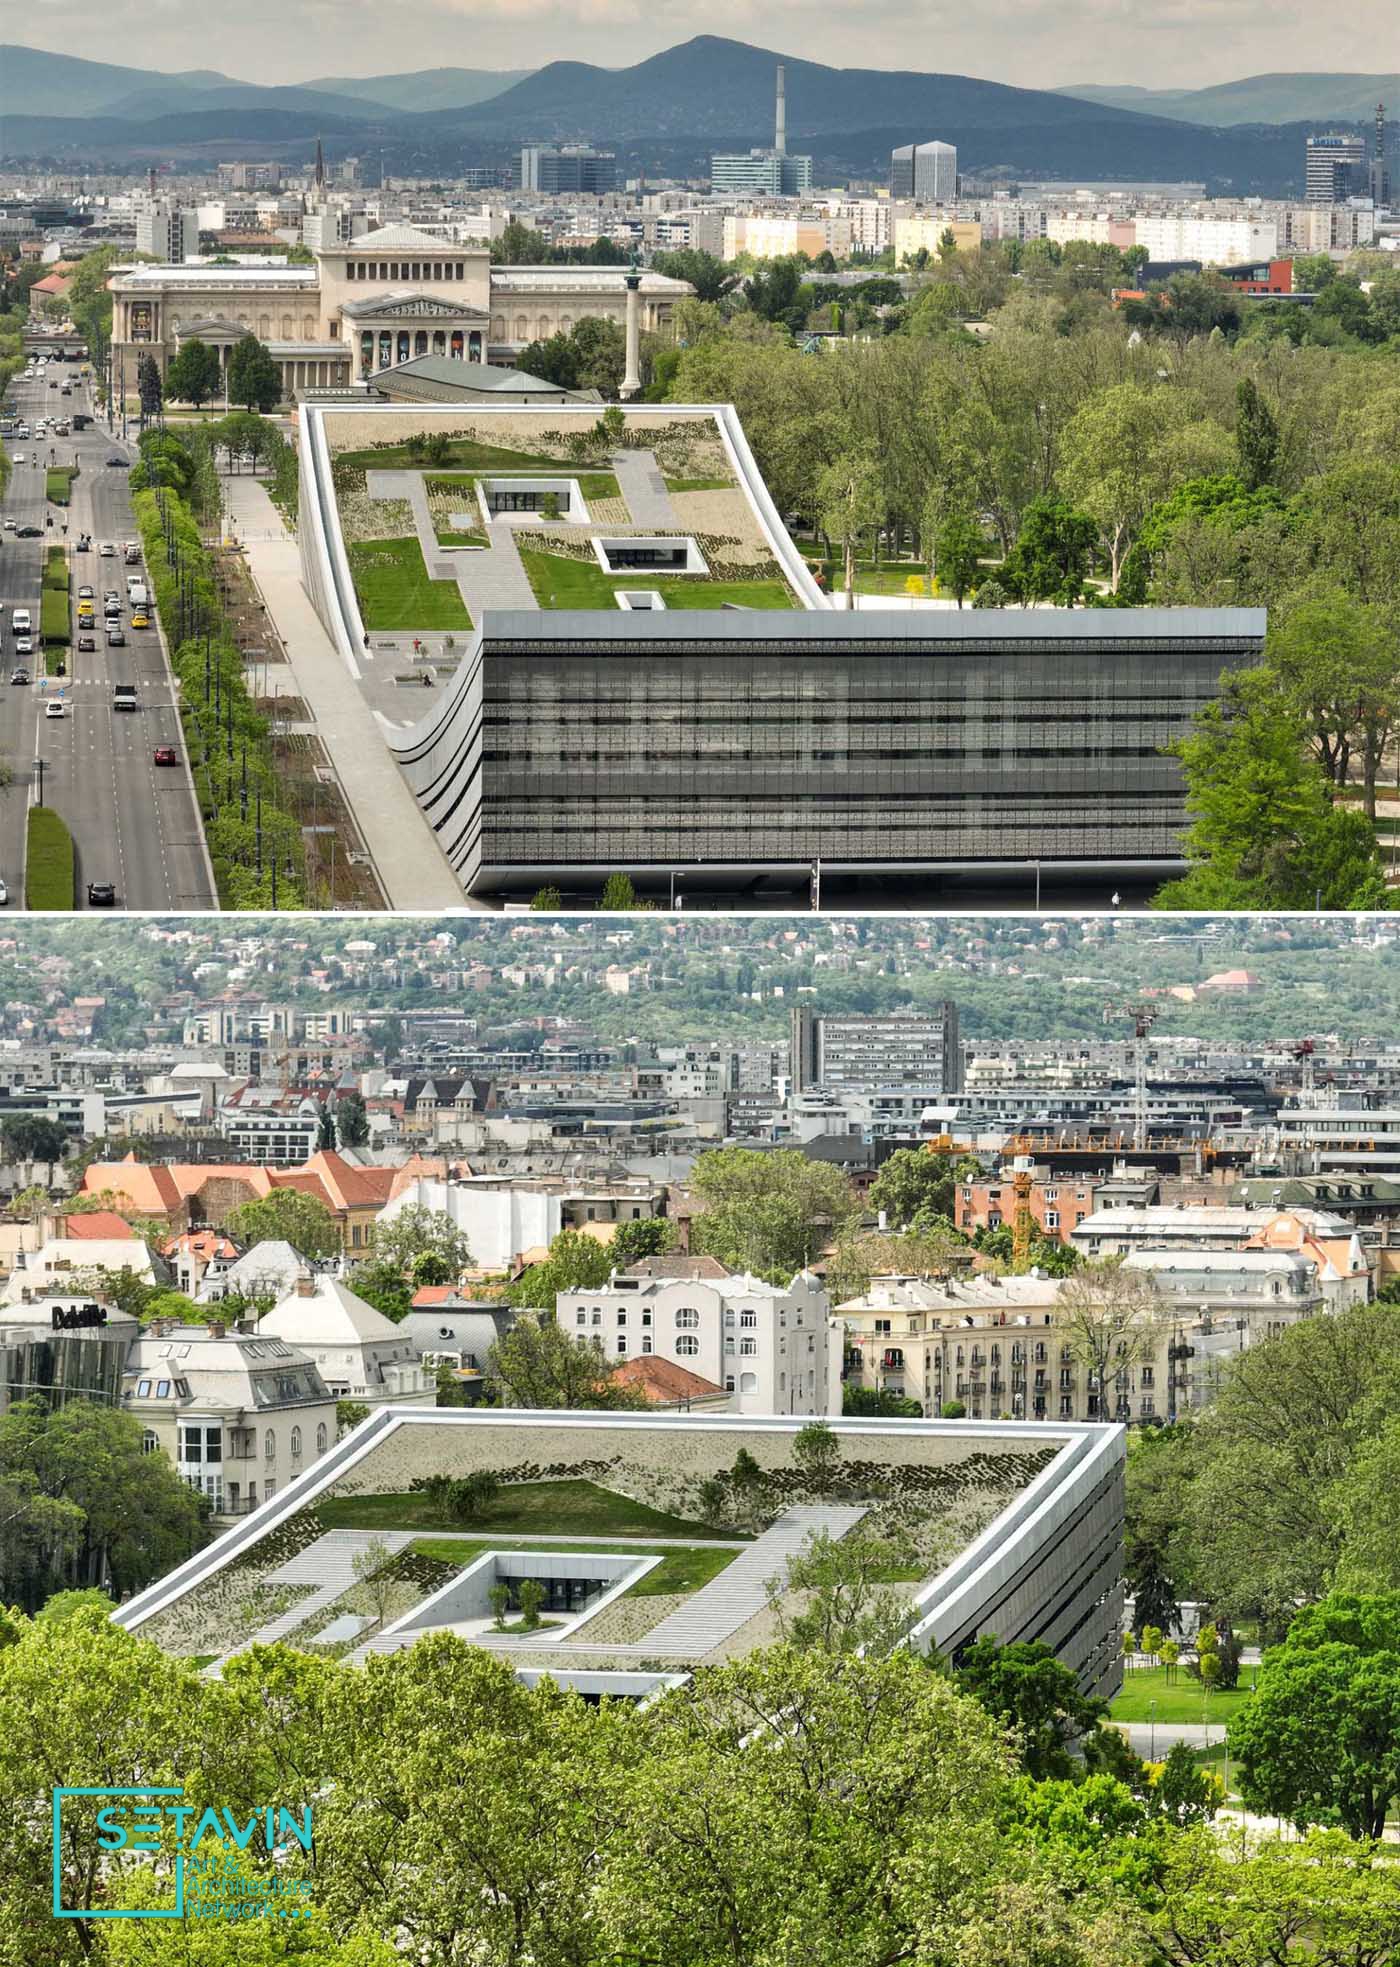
pixel 1336 169
pixel 925 172
pixel 1380 162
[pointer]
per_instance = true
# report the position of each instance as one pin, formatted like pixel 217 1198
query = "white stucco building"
pixel 776 1349
pixel 361 1354
pixel 501 1220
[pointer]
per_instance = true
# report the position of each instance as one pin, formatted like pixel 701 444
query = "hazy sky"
pixel 1035 43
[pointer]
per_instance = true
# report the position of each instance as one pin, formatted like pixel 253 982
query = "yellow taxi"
pixel 140 619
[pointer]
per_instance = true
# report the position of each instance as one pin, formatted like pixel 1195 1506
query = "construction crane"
pixel 1143 1017
pixel 1022 1222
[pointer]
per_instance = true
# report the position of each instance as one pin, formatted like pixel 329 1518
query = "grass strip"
pixel 48 867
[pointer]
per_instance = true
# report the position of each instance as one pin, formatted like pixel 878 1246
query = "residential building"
pixel 998 1346
pixel 360 1354
pixel 773 235
pixel 63 1263
pixel 775 1349
pixel 1057 1206
pixel 847 1053
pixel 928 232
pixel 1328 1242
pixel 239 1414
pixel 925 172
pixel 1213 241
pixel 269 1128
pixel 168 231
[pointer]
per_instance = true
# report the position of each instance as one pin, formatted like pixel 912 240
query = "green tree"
pixel 351 1120
pixel 1256 436
pixel 766 1212
pixel 537 1364
pixel 1024 1687
pixel 915 1182
pixel 1108 1318
pixel 816 1453
pixel 138 1519
pixel 196 375
pixel 415 1237
pixel 1319 1740
pixel 619 895
pixel 576 1262
pixel 547 901
pixel 254 379
pixel 1338 669
pixel 1053 554
pixel 711 278
pixel 1264 831
pixel 959 548
pixel 648 1236
pixel 33 1137
pixel 850 503
pixel 286 1216
pixel 833 1595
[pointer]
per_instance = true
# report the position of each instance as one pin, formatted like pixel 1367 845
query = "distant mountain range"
pixel 1257 99
pixel 663 115
pixel 35 83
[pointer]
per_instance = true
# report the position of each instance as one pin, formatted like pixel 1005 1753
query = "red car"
pixel 165 755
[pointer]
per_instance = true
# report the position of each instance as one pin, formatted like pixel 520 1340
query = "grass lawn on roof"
pixel 561 1509
pixel 559 582
pixel 463 452
pixel 395 592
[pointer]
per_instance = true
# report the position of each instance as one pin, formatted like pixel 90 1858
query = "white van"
pixel 21 621
pixel 136 593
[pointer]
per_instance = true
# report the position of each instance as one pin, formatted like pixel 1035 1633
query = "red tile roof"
pixel 662 1381
pixel 101 1225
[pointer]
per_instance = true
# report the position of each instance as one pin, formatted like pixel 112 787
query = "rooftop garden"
pixel 566 1508
pixel 563 579
pixel 396 593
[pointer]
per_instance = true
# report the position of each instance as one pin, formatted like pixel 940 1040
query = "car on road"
pixel 84 544
pixel 87 645
pixel 115 637
pixel 115 463
pixel 140 619
pixel 24 646
pixel 4 894
pixel 101 894
pixel 107 550
pixel 54 708
pixel 19 675
pixel 9 523
pixel 165 754
pixel 29 532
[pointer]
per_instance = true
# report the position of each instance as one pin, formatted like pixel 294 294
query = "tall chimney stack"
pixel 780 130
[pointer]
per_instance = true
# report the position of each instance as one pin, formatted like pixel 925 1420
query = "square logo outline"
pixel 122 1912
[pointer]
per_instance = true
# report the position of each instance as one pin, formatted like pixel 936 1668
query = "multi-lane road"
pixel 134 823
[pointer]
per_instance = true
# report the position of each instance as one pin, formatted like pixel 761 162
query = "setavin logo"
pixel 206 1848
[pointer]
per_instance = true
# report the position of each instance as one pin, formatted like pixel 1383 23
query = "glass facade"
pixel 902 751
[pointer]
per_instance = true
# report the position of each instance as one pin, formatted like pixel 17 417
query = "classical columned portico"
pixel 394 328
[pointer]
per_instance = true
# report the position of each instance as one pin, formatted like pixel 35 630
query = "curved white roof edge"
pixel 1086 1447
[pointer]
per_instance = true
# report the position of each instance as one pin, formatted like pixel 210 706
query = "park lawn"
pixel 569 1508
pixel 58 483
pixel 48 868
pixel 53 615
pixel 559 582
pixel 395 592
pixel 1183 1700
pixel 463 452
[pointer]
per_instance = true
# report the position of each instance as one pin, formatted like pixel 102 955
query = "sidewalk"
pixel 412 869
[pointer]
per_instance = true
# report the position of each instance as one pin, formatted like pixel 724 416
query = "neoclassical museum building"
pixel 368 304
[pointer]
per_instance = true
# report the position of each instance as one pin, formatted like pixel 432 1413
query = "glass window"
pixel 749 1348
pixel 748 1321
pixel 622 1345
pixel 646 1342
pixel 269 1445
pixel 143 1390
pixel 150 1441
pixel 687 1319
pixel 296 1444
pixel 580 1317
pixel 162 1389
pixel 321 1439
pixel 687 1346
